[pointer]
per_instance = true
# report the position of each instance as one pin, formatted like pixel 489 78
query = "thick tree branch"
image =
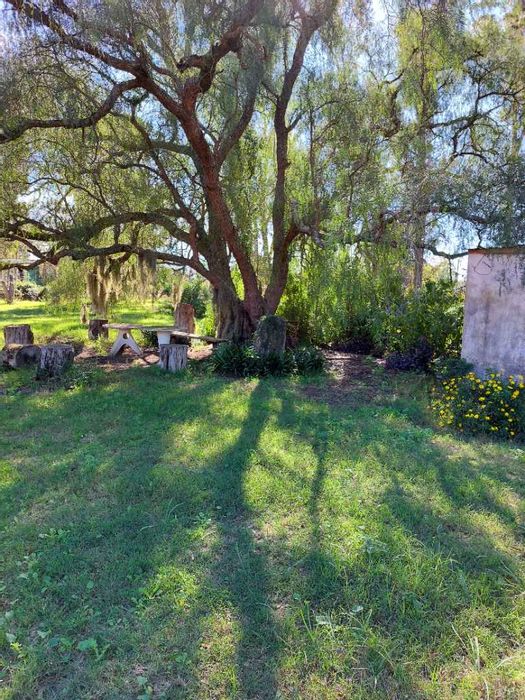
pixel 79 123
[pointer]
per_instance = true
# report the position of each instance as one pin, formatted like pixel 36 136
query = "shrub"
pixel 68 287
pixel 197 293
pixel 234 360
pixel 308 360
pixel 151 339
pixel 493 406
pixel 276 365
pixel 448 367
pixel 434 313
pixel 365 305
pixel 241 361
pixel 29 290
pixel 165 307
pixel 415 359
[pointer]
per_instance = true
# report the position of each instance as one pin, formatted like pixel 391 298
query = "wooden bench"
pixel 164 335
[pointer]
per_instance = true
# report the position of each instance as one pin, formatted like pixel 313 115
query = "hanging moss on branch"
pixel 99 286
pixel 147 267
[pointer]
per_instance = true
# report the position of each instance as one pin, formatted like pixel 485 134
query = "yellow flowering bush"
pixel 494 405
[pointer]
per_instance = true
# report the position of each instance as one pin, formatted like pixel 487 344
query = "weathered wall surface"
pixel 494 327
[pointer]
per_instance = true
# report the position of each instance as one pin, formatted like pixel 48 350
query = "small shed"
pixel 494 324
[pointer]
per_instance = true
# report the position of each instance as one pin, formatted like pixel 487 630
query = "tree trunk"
pixel 9 288
pixel 419 263
pixel 233 320
pixel 173 357
pixel 96 328
pixel 54 360
pixel 18 335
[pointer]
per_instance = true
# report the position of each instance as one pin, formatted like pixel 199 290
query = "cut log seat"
pixel 173 357
pixel 97 328
pixel 18 335
pixel 54 360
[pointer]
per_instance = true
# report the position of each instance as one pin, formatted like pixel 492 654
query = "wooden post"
pixel 54 360
pixel 185 318
pixel 96 328
pixel 172 357
pixel 18 335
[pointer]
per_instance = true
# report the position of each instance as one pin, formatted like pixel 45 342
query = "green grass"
pixel 50 324
pixel 191 537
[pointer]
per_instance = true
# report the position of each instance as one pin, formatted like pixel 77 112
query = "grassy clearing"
pixel 56 325
pixel 193 537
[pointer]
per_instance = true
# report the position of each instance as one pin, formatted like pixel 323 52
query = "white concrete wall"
pixel 494 327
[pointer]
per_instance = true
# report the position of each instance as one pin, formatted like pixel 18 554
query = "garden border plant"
pixel 493 406
pixel 240 360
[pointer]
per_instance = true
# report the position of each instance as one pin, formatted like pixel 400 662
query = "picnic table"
pixel 164 335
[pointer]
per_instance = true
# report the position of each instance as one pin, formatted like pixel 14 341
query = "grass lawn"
pixel 194 537
pixel 53 325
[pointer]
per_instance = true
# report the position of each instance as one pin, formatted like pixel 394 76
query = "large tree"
pixel 133 115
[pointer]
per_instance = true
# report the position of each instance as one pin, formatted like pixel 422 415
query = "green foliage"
pixel 448 367
pixel 361 304
pixel 207 325
pixel 336 295
pixel 434 313
pixel 416 358
pixel 68 288
pixel 493 406
pixel 236 360
pixel 276 365
pixel 150 338
pixel 28 290
pixel 308 360
pixel 197 293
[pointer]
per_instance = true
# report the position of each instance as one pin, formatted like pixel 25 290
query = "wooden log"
pixel 185 318
pixel 17 356
pixel 18 335
pixel 173 358
pixel 96 328
pixel 54 360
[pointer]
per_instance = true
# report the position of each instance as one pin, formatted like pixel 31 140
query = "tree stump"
pixel 54 360
pixel 17 356
pixel 270 336
pixel 96 328
pixel 18 335
pixel 173 357
pixel 185 318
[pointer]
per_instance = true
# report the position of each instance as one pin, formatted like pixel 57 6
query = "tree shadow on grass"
pixel 242 567
pixel 420 558
pixel 88 527
pixel 114 518
pixel 147 500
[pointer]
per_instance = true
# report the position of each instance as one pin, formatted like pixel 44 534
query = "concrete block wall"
pixel 494 324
